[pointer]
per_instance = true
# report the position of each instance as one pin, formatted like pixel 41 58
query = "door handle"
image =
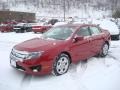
pixel 90 39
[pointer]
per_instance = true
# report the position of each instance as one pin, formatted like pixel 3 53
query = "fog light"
pixel 35 70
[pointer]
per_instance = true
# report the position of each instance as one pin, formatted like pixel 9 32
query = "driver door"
pixel 81 49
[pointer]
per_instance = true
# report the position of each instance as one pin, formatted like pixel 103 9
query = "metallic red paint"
pixel 41 28
pixel 77 50
pixel 6 28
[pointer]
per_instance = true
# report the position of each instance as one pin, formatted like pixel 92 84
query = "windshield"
pixel 59 33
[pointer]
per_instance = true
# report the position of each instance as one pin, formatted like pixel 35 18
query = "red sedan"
pixel 6 27
pixel 41 28
pixel 58 48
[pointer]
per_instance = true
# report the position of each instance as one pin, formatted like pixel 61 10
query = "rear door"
pixel 97 39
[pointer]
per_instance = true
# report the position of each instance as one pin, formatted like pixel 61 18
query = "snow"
pixel 59 12
pixel 95 74
pixel 108 25
pixel 59 23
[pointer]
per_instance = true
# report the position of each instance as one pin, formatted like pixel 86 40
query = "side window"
pixel 84 31
pixel 95 30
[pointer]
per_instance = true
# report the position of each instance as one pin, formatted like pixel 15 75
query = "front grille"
pixel 18 55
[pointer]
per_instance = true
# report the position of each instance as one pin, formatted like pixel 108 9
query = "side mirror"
pixel 78 38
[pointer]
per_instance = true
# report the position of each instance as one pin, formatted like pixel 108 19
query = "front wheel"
pixel 61 65
pixel 104 50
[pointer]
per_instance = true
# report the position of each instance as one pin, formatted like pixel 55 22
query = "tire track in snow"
pixel 113 57
pixel 26 81
pixel 110 59
pixel 78 68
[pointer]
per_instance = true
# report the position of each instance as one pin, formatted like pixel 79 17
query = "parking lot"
pixel 95 74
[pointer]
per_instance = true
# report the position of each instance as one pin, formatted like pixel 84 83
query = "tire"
pixel 16 31
pixel 22 31
pixel 27 30
pixel 61 64
pixel 104 50
pixel 42 31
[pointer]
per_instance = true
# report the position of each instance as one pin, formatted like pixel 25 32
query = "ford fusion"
pixel 58 48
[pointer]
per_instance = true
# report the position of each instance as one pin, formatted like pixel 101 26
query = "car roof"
pixel 77 25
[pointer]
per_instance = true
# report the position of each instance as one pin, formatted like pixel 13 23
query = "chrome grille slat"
pixel 18 55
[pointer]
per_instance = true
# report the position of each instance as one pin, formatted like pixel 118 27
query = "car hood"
pixel 38 44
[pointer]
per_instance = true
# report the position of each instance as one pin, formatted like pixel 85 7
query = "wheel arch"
pixel 67 53
pixel 107 43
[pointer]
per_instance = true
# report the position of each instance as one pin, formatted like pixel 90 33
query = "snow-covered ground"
pixel 95 74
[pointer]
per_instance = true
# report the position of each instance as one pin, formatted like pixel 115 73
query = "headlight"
pixel 33 55
pixel 24 55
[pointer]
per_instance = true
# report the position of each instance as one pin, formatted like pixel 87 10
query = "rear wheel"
pixel 104 50
pixel 61 65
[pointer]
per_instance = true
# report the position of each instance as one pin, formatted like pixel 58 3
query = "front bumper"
pixel 41 68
